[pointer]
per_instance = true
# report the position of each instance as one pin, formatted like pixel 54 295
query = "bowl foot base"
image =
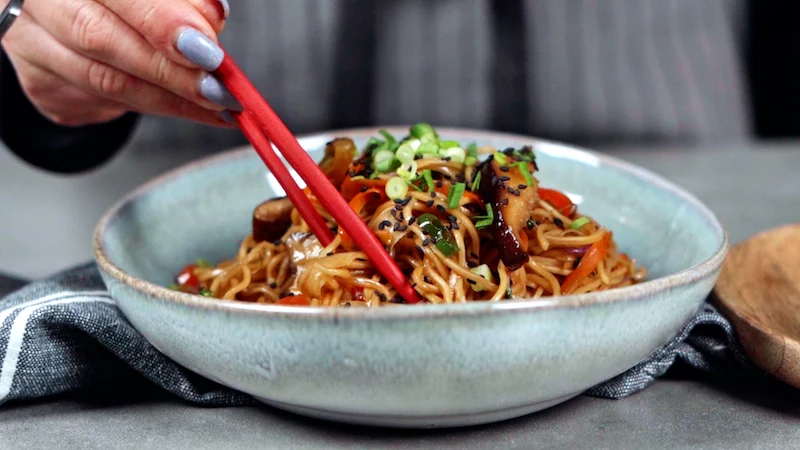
pixel 421 421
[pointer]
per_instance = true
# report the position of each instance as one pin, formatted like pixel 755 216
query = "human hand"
pixel 90 61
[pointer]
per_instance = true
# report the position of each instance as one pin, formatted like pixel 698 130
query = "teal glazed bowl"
pixel 413 366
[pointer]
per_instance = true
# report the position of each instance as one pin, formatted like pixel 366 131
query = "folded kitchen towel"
pixel 66 334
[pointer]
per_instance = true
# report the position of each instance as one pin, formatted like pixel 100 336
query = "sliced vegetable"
pixel 470 161
pixel 487 220
pixel 408 170
pixel 428 149
pixel 449 144
pixel 596 253
pixel 483 271
pixel 396 188
pixel 339 154
pixel 203 263
pixel 380 157
pixel 512 207
pixel 454 196
pixel 445 242
pixel 559 201
pixel 428 177
pixel 205 292
pixel 186 277
pixel 421 130
pixel 476 182
pixel 472 150
pixel 405 153
pixel 500 158
pixel 271 219
pixel 294 300
pixel 456 154
pixel 523 168
pixel 579 222
pixel 390 140
pixel 352 186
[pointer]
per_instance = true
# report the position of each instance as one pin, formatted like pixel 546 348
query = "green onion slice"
pixel 445 242
pixel 579 222
pixel 454 196
pixel 426 175
pixel 487 220
pixel 523 168
pixel 476 182
pixel 396 188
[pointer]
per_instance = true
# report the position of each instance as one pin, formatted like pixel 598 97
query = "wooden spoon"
pixel 759 292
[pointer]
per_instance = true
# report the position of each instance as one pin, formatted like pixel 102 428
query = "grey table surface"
pixel 47 224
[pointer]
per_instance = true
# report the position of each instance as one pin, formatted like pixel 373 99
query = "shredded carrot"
pixel 294 300
pixel 596 253
pixel 556 198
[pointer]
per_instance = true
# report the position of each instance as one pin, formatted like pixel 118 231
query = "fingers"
pixel 215 11
pixel 102 80
pixel 96 32
pixel 161 22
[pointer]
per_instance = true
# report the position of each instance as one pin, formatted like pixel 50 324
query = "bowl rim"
pixel 641 291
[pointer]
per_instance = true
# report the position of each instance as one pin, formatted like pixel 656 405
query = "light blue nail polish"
pixel 226 8
pixel 227 117
pixel 216 92
pixel 199 49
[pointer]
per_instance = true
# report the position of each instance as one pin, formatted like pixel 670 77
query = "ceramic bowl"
pixel 414 366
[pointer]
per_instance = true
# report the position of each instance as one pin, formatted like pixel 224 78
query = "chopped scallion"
pixel 523 168
pixel 203 263
pixel 428 177
pixel 390 140
pixel 579 222
pixel 476 183
pixel 381 156
pixel 470 161
pixel 421 130
pixel 487 220
pixel 408 170
pixel 472 150
pixel 388 165
pixel 482 271
pixel 454 196
pixel 428 148
pixel 405 153
pixel 412 185
pixel 456 154
pixel 205 292
pixel 449 144
pixel 396 188
pixel 501 158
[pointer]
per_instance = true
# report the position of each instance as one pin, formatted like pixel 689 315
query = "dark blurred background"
pixel 600 73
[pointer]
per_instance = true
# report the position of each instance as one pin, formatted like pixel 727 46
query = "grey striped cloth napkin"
pixel 65 334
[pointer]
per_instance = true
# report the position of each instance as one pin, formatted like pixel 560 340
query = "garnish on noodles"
pixel 463 223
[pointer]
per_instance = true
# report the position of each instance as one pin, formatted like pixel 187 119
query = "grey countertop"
pixel 751 187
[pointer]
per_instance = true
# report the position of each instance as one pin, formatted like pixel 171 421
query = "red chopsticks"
pixel 257 114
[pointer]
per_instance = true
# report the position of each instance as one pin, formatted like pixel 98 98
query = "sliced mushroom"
pixel 339 154
pixel 271 219
pixel 512 206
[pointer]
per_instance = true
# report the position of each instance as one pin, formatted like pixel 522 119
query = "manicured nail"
pixel 226 8
pixel 216 92
pixel 227 117
pixel 199 49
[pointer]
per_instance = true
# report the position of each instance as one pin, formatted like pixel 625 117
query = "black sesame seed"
pixel 394 213
pixel 364 188
pixel 530 224
pixel 330 253
pixel 420 251
pixel 441 208
pixel 346 305
pixel 558 223
pixel 446 158
pixel 504 201
pixel 504 178
pixel 471 281
pixel 440 183
pixel 417 157
pixel 398 207
pixel 472 264
pixel 522 186
pixel 412 220
pixel 273 285
pixel 361 259
pixel 397 200
pixel 402 228
pixel 396 226
pixel 504 168
pixel 452 218
pixel 429 203
pixel 405 201
pixel 510 190
pixel 474 255
pixel 448 177
pixel 384 224
pixel 381 296
pixel 433 194
pixel 509 150
pixel 426 279
pixel 277 242
pixel 425 232
pixel 401 218
pixel 426 241
pixel 455 226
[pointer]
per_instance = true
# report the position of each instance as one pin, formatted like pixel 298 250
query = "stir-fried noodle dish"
pixel 463 222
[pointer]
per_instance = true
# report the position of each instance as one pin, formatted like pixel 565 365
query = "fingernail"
pixel 216 92
pixel 227 117
pixel 226 8
pixel 199 49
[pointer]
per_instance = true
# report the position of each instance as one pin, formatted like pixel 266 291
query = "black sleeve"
pixel 47 145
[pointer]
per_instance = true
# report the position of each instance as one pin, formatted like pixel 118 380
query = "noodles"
pixel 460 229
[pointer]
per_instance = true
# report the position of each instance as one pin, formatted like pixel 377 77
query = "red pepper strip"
pixel 596 253
pixel 186 277
pixel 294 300
pixel 559 201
